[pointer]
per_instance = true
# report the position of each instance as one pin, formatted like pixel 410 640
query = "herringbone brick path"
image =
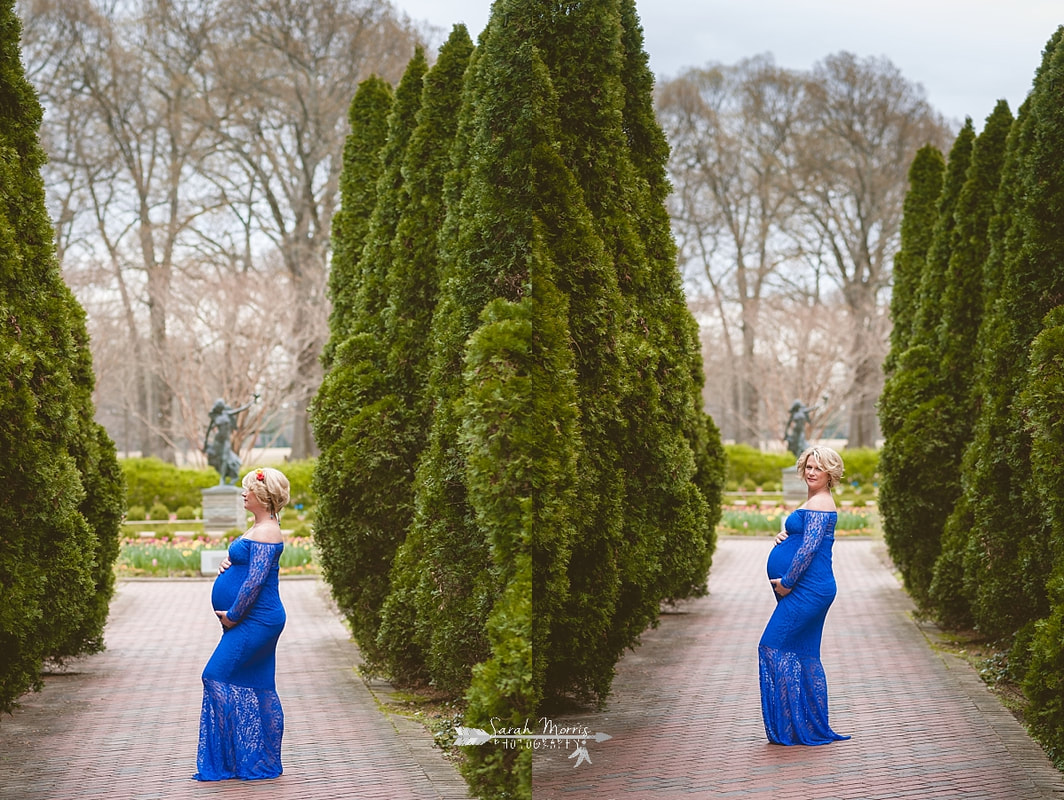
pixel 685 713
pixel 124 725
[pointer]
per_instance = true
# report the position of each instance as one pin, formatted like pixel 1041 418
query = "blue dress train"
pixel 242 722
pixel 794 691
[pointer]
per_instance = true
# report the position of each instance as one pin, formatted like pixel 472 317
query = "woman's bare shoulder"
pixel 264 534
pixel 825 504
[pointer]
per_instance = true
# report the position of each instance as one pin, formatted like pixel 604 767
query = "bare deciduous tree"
pixel 789 190
pixel 731 130
pixel 864 123
pixel 286 72
pixel 192 142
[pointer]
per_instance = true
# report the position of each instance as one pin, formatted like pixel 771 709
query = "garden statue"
pixel 794 431
pixel 220 453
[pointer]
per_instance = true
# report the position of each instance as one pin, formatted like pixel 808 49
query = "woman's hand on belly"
pixel 777 587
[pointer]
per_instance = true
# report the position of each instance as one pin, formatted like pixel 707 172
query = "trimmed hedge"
pixel 747 465
pixel 153 482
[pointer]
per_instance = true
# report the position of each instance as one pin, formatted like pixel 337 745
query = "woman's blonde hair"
pixel 829 461
pixel 270 486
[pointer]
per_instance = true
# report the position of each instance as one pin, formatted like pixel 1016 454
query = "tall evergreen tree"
pixel 413 280
pixel 1038 653
pixel 1006 561
pixel 930 296
pixel 519 409
pixel 659 544
pixel 917 229
pixel 1038 656
pixel 59 542
pixel 368 119
pixel 399 634
pixel 914 498
pixel 442 576
pixel 412 292
pixel 963 308
pixel 363 487
pixel 680 370
pixel 953 587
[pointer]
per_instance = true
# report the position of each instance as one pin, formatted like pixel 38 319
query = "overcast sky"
pixel 967 54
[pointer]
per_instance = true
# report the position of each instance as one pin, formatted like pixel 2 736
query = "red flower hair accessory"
pixel 260 475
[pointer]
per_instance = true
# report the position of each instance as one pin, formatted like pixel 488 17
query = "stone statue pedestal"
pixel 794 488
pixel 223 509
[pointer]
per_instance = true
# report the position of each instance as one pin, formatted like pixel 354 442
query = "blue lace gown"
pixel 242 722
pixel 794 691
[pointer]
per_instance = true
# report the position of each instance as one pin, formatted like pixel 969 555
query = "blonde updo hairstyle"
pixel 827 459
pixel 270 486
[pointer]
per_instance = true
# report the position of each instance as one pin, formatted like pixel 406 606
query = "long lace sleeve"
pixel 259 566
pixel 818 525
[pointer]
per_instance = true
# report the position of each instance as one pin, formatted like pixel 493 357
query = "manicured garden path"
pixel 124 724
pixel 685 716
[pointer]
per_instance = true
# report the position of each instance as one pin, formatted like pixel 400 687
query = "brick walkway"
pixel 125 723
pixel 685 714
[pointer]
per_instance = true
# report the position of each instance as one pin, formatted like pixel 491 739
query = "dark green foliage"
pixel 1007 561
pixel 411 284
pixel 1043 404
pixel 444 590
pixel 952 585
pixel 363 478
pixel 710 469
pixel 963 301
pixel 61 490
pixel 921 410
pixel 642 451
pixel 152 480
pixel 917 229
pixel 913 495
pixel 368 118
pixel 518 420
pixel 746 463
pixel 413 279
pixel 930 295
pixel 534 326
pixel 962 313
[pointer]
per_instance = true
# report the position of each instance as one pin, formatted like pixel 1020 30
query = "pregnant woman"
pixel 794 691
pixel 242 721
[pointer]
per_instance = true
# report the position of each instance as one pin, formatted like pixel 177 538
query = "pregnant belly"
pixel 227 586
pixel 780 557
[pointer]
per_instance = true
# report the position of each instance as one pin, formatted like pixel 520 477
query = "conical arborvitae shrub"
pixel 919 214
pixel 412 296
pixel 655 541
pixel 963 308
pixel 443 593
pixel 928 308
pixel 1007 561
pixel 953 587
pixel 1041 662
pixel 368 120
pixel 400 635
pixel 59 542
pixel 679 368
pixel 104 504
pixel 913 497
pixel 363 488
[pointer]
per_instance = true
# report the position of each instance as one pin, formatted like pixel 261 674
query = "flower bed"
pixel 179 556
pixel 742 520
